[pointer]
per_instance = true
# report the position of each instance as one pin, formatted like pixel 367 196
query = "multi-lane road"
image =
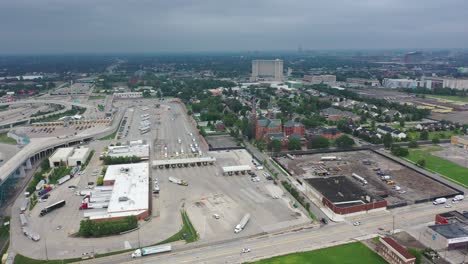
pixel 411 218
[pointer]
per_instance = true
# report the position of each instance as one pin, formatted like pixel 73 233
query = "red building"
pixel 393 252
pixel 292 127
pixel 265 127
pixel 451 218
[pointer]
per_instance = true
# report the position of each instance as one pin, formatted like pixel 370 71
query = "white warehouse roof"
pixel 61 154
pixel 141 151
pixel 130 192
pixel 236 168
pixel 80 153
pixel 183 161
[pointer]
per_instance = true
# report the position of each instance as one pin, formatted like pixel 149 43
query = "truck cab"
pixel 136 253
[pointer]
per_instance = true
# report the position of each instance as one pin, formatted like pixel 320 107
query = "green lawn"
pixel 449 97
pixel 353 253
pixel 191 234
pixel 440 134
pixel 6 139
pixel 59 173
pixel 447 168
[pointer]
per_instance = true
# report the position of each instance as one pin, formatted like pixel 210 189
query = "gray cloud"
pixel 221 25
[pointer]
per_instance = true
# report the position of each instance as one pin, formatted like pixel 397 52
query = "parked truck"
pixel 178 181
pixel 151 250
pixel 40 184
pixel 96 199
pixel 44 191
pixel 23 220
pixel 440 201
pixel 242 223
pixel 64 179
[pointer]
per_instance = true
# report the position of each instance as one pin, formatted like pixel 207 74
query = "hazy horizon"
pixel 180 26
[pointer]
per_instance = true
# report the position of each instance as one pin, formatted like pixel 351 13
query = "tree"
pixel 424 135
pixel 317 142
pixel 372 125
pixel 387 140
pixel 275 145
pixel 435 140
pixel 413 144
pixel 402 122
pixel 261 144
pixel 399 151
pixel 421 163
pixel 294 144
pixel 344 141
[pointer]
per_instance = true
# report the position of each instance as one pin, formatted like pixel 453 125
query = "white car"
pixel 356 223
pixel 216 216
pixel 245 250
pixel 448 206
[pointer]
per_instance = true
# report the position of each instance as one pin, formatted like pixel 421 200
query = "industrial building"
pixel 128 95
pixel 126 193
pixel 449 232
pixel 68 157
pixel 461 141
pixel 267 70
pixel 60 157
pixel 343 196
pixel 137 149
pixel 78 157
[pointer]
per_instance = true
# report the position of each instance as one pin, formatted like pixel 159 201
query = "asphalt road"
pixel 410 219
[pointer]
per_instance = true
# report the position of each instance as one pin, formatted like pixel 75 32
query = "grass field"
pixel 6 139
pixel 449 97
pixel 187 232
pixel 447 168
pixel 440 134
pixel 353 253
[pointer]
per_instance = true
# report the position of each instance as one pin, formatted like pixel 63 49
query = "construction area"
pixel 376 174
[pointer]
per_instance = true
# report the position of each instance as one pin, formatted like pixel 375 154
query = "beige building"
pixel 267 70
pixel 316 79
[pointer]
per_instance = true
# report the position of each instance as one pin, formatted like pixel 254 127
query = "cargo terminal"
pixel 125 193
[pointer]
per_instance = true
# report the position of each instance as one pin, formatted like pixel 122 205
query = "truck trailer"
pixel 85 206
pixel 151 250
pixel 242 223
pixel 178 181
pixel 52 207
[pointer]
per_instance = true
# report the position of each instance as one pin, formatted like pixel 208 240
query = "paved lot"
pixel 7 151
pixel 415 185
pixel 221 141
pixel 454 154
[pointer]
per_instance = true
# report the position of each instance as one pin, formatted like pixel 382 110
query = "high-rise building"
pixel 267 70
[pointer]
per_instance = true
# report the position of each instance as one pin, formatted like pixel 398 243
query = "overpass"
pixel 67 105
pixel 39 148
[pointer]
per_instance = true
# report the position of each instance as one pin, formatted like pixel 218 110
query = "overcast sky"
pixel 58 26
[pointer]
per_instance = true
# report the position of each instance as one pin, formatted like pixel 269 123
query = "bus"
pixel 52 207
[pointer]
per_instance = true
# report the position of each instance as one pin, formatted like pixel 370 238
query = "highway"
pixel 406 218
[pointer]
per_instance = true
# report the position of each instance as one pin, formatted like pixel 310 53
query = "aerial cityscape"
pixel 233 132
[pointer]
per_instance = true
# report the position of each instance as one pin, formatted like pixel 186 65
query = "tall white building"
pixel 267 70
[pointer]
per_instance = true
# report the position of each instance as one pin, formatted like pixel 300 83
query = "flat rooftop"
pixel 141 151
pixel 237 168
pixel 183 161
pixel 455 230
pixel 340 190
pixel 79 153
pixel 61 154
pixel 130 193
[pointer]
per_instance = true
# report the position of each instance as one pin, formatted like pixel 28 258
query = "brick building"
pixel 265 127
pixel 393 252
pixel 292 127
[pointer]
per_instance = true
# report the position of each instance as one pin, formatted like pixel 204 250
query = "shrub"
pixel 90 228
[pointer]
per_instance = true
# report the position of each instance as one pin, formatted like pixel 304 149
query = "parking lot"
pixel 453 153
pixel 403 185
pixel 221 141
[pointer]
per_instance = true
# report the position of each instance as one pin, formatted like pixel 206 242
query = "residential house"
pixel 220 126
pixel 392 131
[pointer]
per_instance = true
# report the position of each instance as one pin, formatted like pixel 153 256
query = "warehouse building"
pixel 342 196
pixel 138 150
pixel 60 157
pixel 78 157
pixel 129 184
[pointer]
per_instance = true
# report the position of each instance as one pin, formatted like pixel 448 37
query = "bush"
pixel 399 151
pixel 317 142
pixel 435 140
pixel 108 160
pixel 421 162
pixel 344 142
pixel 89 228
pixel 100 181
pixel 413 144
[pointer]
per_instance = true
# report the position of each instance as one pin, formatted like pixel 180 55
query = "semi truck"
pixel 85 206
pixel 178 181
pixel 96 199
pixel 440 201
pixel 63 179
pixel 242 223
pixel 52 207
pixel 40 184
pixel 151 250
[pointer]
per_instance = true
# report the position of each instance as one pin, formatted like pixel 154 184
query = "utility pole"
pixel 46 253
pixel 139 243
pixel 393 229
